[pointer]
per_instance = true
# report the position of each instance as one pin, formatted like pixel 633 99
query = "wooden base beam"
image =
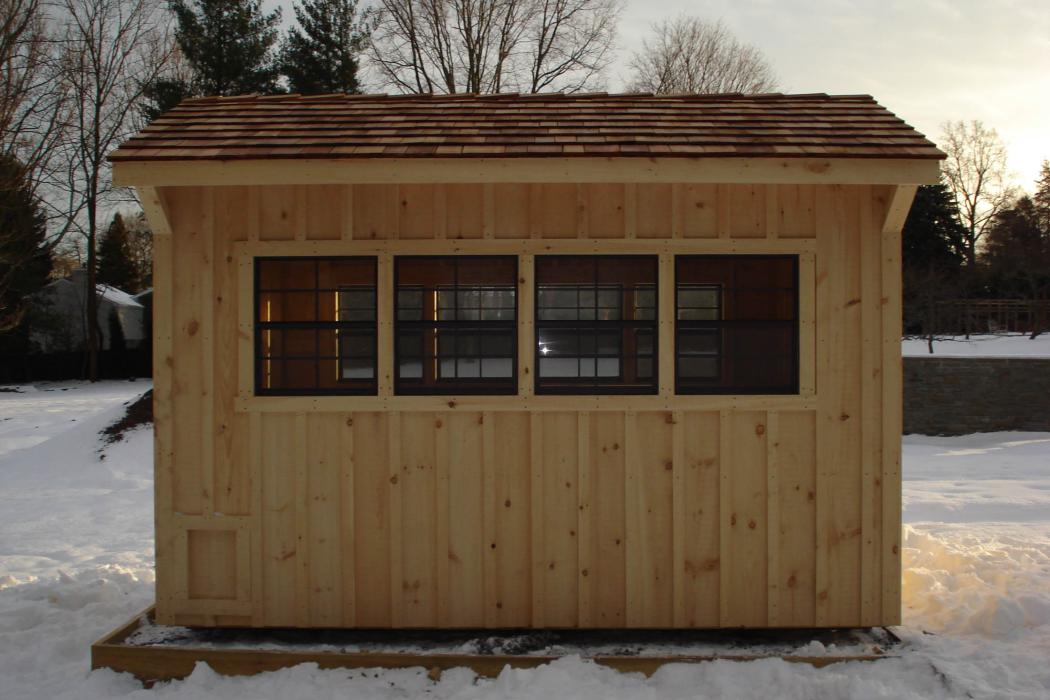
pixel 152 664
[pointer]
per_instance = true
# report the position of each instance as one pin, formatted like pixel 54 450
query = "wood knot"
pixel 792 581
pixel 844 417
pixel 499 605
pixel 492 546
pixel 452 404
pixel 506 503
pixel 616 445
pixel 584 573
pixel 669 418
pixel 760 429
pixel 438 423
pixel 393 479
pixel 350 422
pixel 751 524
pixel 669 465
pixel 551 566
pixel 732 519
pixel 192 327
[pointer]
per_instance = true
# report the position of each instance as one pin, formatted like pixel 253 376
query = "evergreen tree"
pixel 1042 196
pixel 933 252
pixel 932 235
pixel 115 267
pixel 163 94
pixel 1017 253
pixel 229 44
pixel 320 56
pixel 25 254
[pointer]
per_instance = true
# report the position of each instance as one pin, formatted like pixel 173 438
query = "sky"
pixel 927 61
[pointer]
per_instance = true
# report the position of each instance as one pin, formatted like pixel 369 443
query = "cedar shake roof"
pixel 544 125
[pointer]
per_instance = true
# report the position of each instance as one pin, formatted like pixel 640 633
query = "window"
pixel 736 324
pixel 315 330
pixel 456 325
pixel 596 324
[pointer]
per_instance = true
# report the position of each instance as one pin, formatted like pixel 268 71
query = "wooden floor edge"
pixel 151 664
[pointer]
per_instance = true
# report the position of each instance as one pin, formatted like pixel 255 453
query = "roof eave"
pixel 679 169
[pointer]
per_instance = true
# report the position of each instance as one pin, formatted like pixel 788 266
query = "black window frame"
pixel 598 385
pixel 350 386
pixel 720 325
pixel 456 328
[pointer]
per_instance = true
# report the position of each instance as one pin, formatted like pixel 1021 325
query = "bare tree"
pixel 690 55
pixel 491 46
pixel 976 173
pixel 114 50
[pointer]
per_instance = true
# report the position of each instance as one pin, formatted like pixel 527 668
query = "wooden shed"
pixel 528 361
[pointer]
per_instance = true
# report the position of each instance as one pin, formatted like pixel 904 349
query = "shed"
pixel 567 361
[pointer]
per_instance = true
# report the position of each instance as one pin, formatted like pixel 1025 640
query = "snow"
pixel 992 345
pixel 76 560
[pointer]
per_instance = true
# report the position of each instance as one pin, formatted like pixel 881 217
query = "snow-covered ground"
pixel 76 559
pixel 994 345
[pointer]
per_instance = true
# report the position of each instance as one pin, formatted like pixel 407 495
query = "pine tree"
pixel 229 44
pixel 163 94
pixel 25 254
pixel 115 267
pixel 1042 196
pixel 320 56
pixel 933 252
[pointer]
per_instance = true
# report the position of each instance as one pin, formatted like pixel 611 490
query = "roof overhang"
pixel 329 171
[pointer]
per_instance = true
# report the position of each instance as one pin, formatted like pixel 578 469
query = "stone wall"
pixel 960 395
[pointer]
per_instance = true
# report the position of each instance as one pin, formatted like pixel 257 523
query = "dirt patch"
pixel 138 412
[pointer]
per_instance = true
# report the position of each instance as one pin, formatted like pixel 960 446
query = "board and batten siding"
pixel 529 511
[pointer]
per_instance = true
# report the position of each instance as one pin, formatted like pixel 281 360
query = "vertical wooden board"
pixel 701 436
pixel 279 552
pixel 162 423
pixel 892 426
pixel 559 454
pixel 512 510
pixel 557 210
pixel 375 211
pixel 797 465
pixel 324 531
pixel 838 432
pixel 699 210
pixel 585 549
pixel 748 216
pixel 416 211
pixel 347 567
pixel 418 484
pixel 797 211
pixel 190 251
pixel 649 544
pixel 277 213
pixel 606 574
pixel 371 519
pixel 232 473
pixel 512 210
pixel 465 547
pixel 744 516
pixel 605 209
pixel 324 212
pixel 465 211
pixel 653 210
pixel 871 409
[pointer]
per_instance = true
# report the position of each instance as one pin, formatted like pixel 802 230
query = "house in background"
pixel 61 312
pixel 528 361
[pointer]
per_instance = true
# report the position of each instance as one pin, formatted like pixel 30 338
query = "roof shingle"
pixel 545 125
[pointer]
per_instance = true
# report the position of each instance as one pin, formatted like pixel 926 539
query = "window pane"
pixel 357 368
pixel 737 324
pixel 591 312
pixel 453 301
pixel 493 367
pixel 698 367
